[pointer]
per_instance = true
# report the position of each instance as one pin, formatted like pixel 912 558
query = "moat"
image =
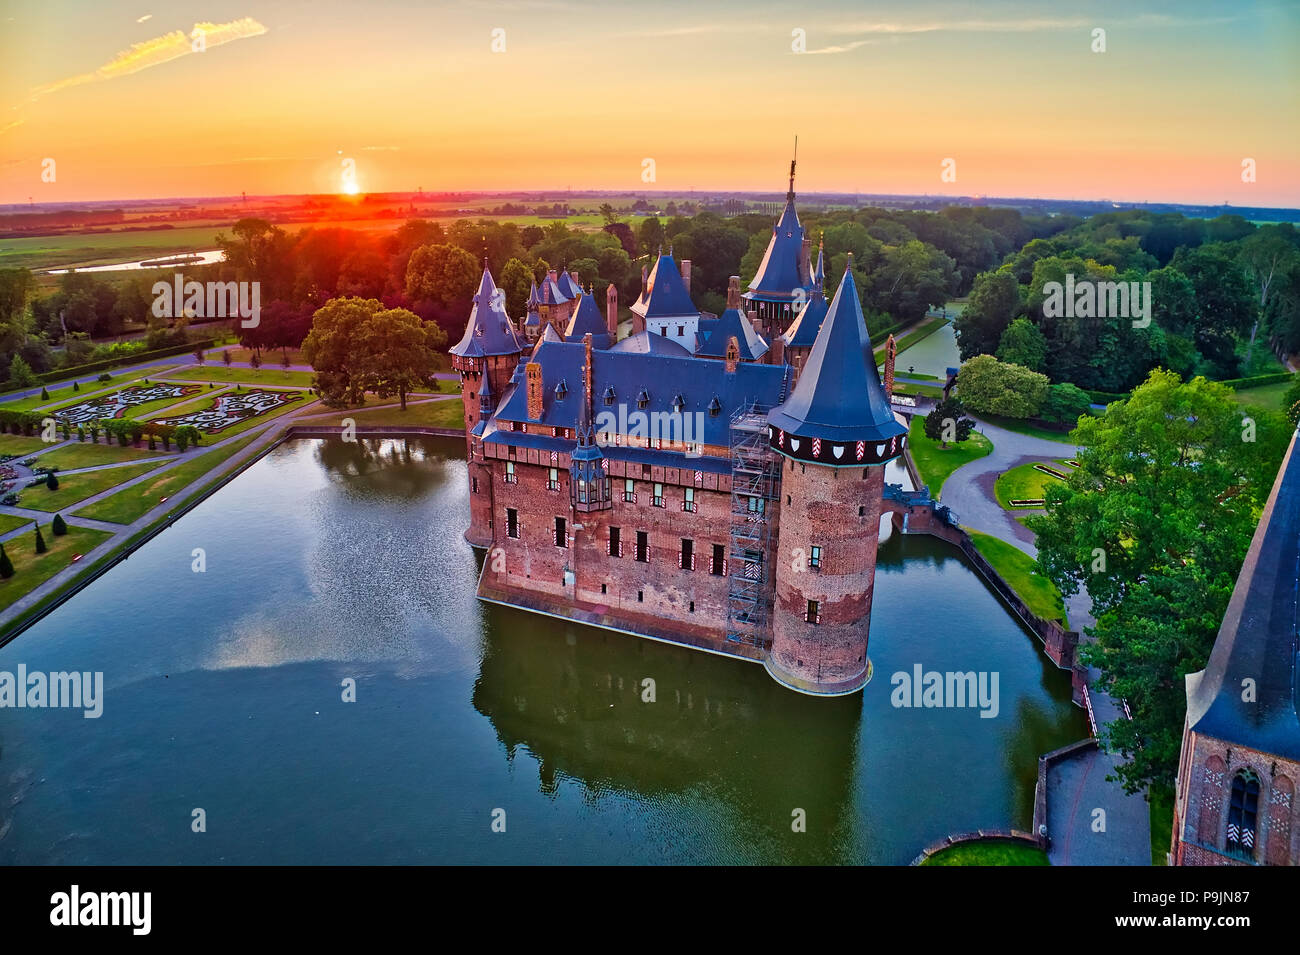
pixel 327 561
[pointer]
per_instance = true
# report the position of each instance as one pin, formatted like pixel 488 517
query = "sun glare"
pixel 350 187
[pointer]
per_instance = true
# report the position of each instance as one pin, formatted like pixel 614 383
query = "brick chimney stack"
pixel 686 274
pixel 733 354
pixel 611 311
pixel 733 292
pixel 533 372
pixel 573 274
pixel 776 354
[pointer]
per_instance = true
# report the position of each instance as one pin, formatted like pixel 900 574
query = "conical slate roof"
pixel 802 332
pixel 1258 636
pixel 665 293
pixel 570 288
pixel 838 397
pixel 489 330
pixel 588 320
pixel 729 324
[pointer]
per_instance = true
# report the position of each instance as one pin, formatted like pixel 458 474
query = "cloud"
pixel 380 149
pixel 147 16
pixel 159 50
pixel 844 48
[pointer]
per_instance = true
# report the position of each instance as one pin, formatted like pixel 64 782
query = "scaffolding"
pixel 755 484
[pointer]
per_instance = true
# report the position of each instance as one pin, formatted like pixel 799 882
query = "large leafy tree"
pixel 1023 344
pixel 994 302
pixel 444 275
pixel 398 352
pixel 1155 523
pixel 994 387
pixel 333 348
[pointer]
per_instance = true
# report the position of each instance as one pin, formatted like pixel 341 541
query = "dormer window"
pixel 561 390
pixel 478 330
pixel 715 407
pixel 609 395
pixel 643 399
pixel 678 403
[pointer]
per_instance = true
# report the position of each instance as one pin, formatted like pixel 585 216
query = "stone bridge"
pixel 915 512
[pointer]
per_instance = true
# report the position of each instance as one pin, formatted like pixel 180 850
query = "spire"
pixel 489 330
pixel 789 196
pixel 819 273
pixel 838 397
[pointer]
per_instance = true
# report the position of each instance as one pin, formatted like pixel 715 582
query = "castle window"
pixel 1242 808
pixel 664 331
pixel 862 510
pixel 629 490
pixel 604 588
pixel 643 547
pixel 640 596
pixel 512 523
pixel 715 407
pixel 689 503
pixel 865 472
pixel 473 485
pixel 659 496
pixel 687 561
pixel 814 614
pixel 609 395
pixel 553 479
pixel 561 533
pixel 756 505
pixel 681 330
pixel 815 557
pixel 561 390
pixel 511 476
pixel 643 399
pixel 692 606
pixel 615 542
pixel 718 567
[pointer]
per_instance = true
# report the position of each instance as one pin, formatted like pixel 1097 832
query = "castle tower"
pixel 486 357
pixel 784 278
pixel 665 307
pixel 797 342
pixel 834 434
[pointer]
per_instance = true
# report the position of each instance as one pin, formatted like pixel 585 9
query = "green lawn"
pixel 135 501
pixel 929 391
pixel 1268 397
pixel 8 522
pixel 32 569
pixel 447 413
pixel 1020 571
pixel 86 455
pixel 78 487
pixel 104 248
pixel 989 852
pixel 934 463
pixel 1026 483
pixel 20 444
pixel 1021 426
pixel 1161 801
pixel 266 375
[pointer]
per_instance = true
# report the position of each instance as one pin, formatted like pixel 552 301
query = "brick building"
pixel 1235 793
pixel 639 485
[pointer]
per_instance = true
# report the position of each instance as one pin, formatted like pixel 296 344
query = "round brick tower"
pixel 834 435
pixel 486 357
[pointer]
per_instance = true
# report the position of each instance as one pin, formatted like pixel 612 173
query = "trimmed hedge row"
pixel 1258 381
pixel 62 374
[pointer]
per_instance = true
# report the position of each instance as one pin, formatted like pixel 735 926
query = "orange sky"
pixel 713 92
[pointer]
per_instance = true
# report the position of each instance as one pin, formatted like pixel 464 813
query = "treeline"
pixel 1223 292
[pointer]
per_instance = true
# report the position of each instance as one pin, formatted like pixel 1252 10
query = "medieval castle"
pixel 649 484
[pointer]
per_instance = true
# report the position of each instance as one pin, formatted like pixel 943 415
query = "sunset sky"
pixel 712 91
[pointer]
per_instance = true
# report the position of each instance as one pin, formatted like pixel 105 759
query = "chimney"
pixel 611 311
pixel 533 371
pixel 891 353
pixel 733 354
pixel 686 274
pixel 552 274
pixel 573 274
pixel 733 292
pixel 805 260
pixel 644 279
pixel 776 354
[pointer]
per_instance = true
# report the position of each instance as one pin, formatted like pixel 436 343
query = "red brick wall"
pixel 821 507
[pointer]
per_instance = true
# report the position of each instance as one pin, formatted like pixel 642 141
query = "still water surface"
pixel 328 560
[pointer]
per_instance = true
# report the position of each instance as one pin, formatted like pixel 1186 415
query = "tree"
pixel 225 356
pixel 6 565
pixel 200 356
pixel 516 279
pixel 444 275
pixel 20 373
pixel 1064 404
pixel 1023 344
pixel 994 301
pixel 1266 256
pixel 255 361
pixel 60 526
pixel 948 422
pixel 992 387
pixel 397 352
pixel 650 235
pixel 1155 523
pixel 333 349
pixel 51 481
pixel 40 541
pixel 608 213
pixel 911 278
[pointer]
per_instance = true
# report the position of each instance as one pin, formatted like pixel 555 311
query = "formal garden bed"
pixel 934 463
pixel 231 412
pixel 1026 485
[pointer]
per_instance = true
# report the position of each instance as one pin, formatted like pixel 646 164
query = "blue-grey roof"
pixel 551 293
pixel 819 270
pixel 838 395
pixel 665 293
pixel 784 268
pixel 662 377
pixel 648 343
pixel 717 332
pixel 1258 638
pixel 588 320
pixel 533 297
pixel 802 332
pixel 568 287
pixel 489 330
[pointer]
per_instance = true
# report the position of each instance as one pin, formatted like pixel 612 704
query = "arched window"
pixel 1242 808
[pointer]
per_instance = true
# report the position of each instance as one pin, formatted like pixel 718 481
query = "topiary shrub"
pixel 6 565
pixel 60 526
pixel 153 442
pixel 45 394
pixel 81 433
pixel 51 481
pixel 40 541
pixel 105 377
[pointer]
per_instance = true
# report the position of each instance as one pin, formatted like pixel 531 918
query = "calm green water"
pixel 932 355
pixel 327 561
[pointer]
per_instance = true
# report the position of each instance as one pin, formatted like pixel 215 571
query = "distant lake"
pixel 328 561
pixel 199 258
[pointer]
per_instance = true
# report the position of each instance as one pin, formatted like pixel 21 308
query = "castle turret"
pixel 784 277
pixel 486 357
pixel 834 434
pixel 665 307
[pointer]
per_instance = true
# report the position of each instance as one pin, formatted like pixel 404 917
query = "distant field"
pixel 102 248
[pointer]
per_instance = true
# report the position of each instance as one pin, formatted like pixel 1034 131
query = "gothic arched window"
pixel 1242 807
